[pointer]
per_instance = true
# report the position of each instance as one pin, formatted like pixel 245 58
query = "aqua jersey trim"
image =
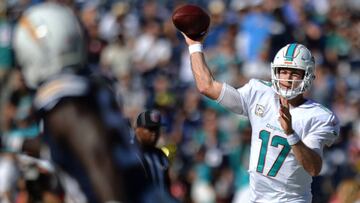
pixel 267 83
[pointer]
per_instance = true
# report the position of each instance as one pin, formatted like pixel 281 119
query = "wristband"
pixel 293 138
pixel 195 48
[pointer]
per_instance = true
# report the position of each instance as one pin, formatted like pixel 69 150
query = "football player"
pixel 289 131
pixel 83 124
pixel 155 162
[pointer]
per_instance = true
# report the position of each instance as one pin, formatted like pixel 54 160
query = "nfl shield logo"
pixel 155 117
pixel 259 110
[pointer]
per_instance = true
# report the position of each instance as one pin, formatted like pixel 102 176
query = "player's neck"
pixel 297 101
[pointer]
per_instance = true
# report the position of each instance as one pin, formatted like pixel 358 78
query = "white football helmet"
pixel 293 56
pixel 48 38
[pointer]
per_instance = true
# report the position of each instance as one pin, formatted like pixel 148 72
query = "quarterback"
pixel 289 131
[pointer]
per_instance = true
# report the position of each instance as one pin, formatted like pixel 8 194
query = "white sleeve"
pixel 235 100
pixel 65 85
pixel 8 175
pixel 325 133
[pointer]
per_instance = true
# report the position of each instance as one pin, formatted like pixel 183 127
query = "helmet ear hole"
pixel 313 59
pixel 306 74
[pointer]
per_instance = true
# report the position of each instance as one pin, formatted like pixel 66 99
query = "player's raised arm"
pixel 193 22
pixel 205 81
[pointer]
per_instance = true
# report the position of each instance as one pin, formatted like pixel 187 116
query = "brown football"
pixel 191 20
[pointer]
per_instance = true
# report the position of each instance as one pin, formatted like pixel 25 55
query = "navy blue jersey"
pixel 94 93
pixel 156 166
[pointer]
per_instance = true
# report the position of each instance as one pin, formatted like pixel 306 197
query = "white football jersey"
pixel 275 174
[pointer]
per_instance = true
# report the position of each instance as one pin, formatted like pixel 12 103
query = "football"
pixel 191 20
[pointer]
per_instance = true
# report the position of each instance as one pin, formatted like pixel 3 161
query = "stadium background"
pixel 136 43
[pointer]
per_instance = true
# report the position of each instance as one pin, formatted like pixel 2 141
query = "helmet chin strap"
pixel 288 93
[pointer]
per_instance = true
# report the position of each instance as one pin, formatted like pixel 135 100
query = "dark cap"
pixel 149 119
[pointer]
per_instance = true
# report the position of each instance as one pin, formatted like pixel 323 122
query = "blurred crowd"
pixel 136 45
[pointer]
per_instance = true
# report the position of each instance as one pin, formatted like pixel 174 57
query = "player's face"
pixel 147 136
pixel 290 78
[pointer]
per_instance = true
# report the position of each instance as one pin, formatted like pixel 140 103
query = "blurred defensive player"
pixel 83 124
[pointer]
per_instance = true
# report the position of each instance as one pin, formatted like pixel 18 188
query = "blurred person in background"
pixel 218 25
pixel 156 164
pixel 186 123
pixel 151 52
pixel 255 28
pixel 39 181
pixel 289 131
pixel 212 138
pixel 348 191
pixel 239 161
pixel 83 124
pixel 222 59
pixel 6 54
pixel 162 96
pixel 113 22
pixel 116 63
pixel 9 175
pixel 19 122
pixel 214 143
pixel 89 15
